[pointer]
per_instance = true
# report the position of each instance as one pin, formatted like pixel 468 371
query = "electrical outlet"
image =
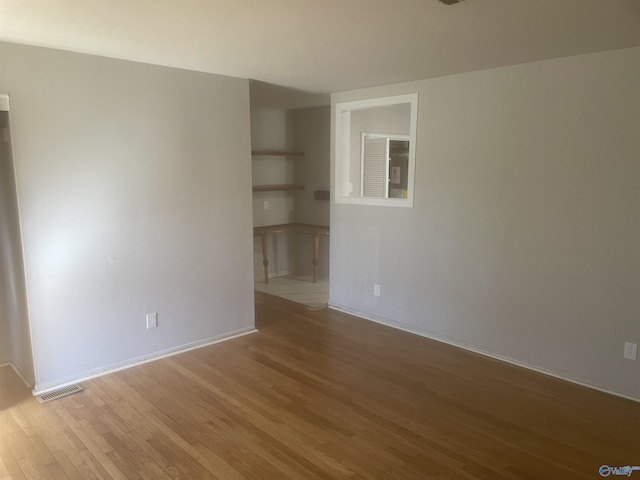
pixel 266 204
pixel 376 290
pixel 630 350
pixel 351 188
pixel 152 320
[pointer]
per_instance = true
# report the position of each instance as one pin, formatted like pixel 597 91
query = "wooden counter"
pixel 264 232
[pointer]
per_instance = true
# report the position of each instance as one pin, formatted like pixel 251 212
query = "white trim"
pixel 363 136
pixel 386 169
pixel 39 389
pixel 4 102
pixel 21 376
pixel 341 109
pixel 486 353
pixel 258 277
pixel 280 273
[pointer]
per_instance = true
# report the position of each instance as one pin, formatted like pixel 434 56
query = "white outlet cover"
pixel 630 351
pixel 376 290
pixel 152 320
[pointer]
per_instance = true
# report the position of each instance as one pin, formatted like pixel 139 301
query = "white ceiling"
pixel 325 45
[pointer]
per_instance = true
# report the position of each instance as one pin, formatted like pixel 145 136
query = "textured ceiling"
pixel 325 45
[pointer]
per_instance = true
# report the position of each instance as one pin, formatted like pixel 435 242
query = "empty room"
pixel 323 239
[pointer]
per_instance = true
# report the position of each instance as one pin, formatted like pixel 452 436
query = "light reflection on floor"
pixel 299 289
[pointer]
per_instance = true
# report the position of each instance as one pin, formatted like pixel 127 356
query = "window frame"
pixel 342 115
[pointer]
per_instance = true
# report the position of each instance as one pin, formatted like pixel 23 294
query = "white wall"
pixel 134 186
pixel 5 345
pixel 311 134
pixel 14 318
pixel 525 236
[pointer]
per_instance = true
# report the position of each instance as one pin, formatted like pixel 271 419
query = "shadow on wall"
pixel 12 390
pixel 15 324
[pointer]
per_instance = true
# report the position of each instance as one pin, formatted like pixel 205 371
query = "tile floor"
pixel 299 289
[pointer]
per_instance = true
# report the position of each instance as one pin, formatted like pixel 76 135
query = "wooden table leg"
pixel 316 247
pixel 265 256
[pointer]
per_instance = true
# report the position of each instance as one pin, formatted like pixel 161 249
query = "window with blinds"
pixel 375 148
pixel 375 166
pixel 384 165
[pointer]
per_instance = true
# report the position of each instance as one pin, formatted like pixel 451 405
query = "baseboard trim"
pixel 21 376
pixel 39 389
pixel 282 273
pixel 471 348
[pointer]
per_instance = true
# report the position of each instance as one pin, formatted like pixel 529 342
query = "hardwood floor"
pixel 318 395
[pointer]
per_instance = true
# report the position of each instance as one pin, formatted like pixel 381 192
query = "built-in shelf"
pixel 323 195
pixel 277 188
pixel 282 187
pixel 276 153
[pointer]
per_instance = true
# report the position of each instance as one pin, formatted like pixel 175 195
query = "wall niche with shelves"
pixel 263 154
pixel 290 160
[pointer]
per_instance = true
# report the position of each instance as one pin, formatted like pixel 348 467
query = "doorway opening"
pixel 15 337
pixel 291 176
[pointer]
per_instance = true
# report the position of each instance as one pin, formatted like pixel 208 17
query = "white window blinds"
pixel 375 165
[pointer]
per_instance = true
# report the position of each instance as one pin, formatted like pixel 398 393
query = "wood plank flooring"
pixel 318 395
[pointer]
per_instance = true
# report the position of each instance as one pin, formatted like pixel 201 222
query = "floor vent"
pixel 63 392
